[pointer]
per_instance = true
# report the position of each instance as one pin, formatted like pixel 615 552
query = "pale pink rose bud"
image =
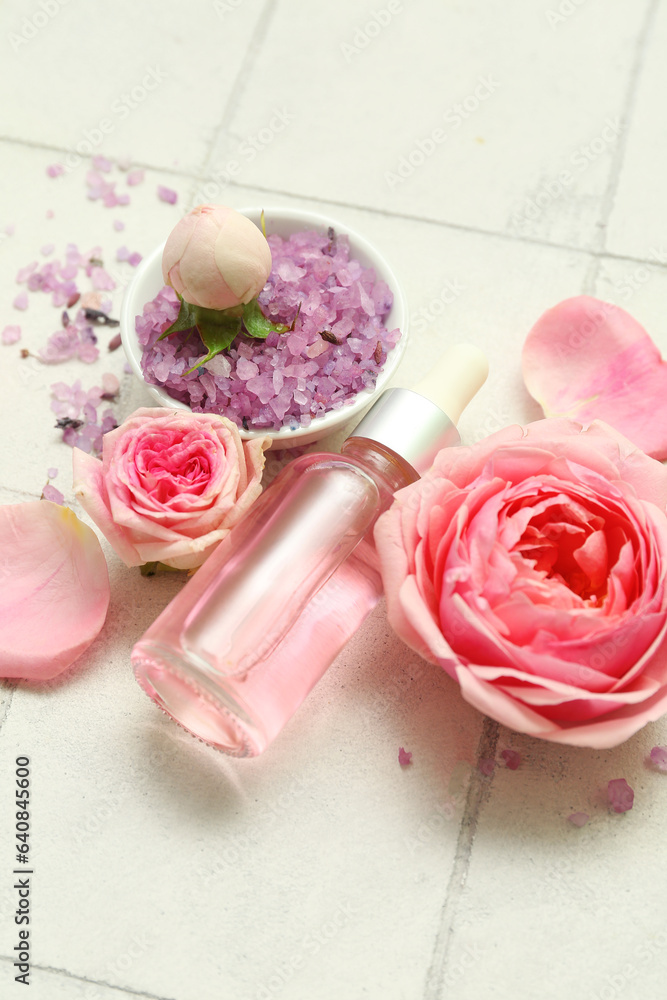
pixel 216 258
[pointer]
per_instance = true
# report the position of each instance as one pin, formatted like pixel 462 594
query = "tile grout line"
pixel 9 686
pixel 595 254
pixel 238 87
pixel 618 158
pixel 478 794
pixel 126 990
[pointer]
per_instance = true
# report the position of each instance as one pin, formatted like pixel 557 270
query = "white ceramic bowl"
pixel 147 282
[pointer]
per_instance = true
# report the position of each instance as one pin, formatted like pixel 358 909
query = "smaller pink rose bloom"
pixel 54 589
pixel 532 567
pixel 216 258
pixel 170 485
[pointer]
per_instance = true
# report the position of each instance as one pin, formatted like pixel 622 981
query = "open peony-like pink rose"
pixel 216 258
pixel 170 485
pixel 531 567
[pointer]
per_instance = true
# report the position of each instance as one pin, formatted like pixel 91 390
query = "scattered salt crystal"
pixel 21 301
pixel 102 280
pixel 24 273
pixel 512 759
pixel 134 259
pixel 49 213
pixel 11 334
pixel 620 795
pixel 55 170
pixel 219 365
pixel 102 163
pixel 47 249
pixel 658 758
pixel 110 384
pixel 118 225
pixel 52 472
pixel 51 493
pixel 487 766
pixel 135 177
pixel 166 194
pixel 579 818
pixel 404 757
pixel 10 229
pixel 246 369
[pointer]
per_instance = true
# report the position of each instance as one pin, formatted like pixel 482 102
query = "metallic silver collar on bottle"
pixel 409 424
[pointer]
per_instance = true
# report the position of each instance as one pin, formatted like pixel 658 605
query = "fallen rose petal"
pixel 54 589
pixel 404 757
pixel 578 818
pixel 621 797
pixel 590 360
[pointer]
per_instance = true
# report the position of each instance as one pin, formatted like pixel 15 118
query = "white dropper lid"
pixel 417 423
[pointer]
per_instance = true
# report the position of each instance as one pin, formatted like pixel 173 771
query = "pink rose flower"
pixel 531 567
pixel 216 258
pixel 170 485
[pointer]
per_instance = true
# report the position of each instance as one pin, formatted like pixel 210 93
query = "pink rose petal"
pixel 589 360
pixel 54 589
pixel 404 757
pixel 620 795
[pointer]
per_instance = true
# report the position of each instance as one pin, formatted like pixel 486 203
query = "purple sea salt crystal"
pixel 47 249
pixel 135 176
pixel 118 225
pixel 620 795
pixel 404 757
pixel 658 758
pixel 102 163
pixel 52 473
pixel 487 766
pixel 512 759
pixel 55 170
pixel 24 273
pixel 51 493
pixel 578 818
pixel 166 194
pixel 11 334
pixel 21 301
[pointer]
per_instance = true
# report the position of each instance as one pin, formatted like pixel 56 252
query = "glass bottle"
pixel 234 654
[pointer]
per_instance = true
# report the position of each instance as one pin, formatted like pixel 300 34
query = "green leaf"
pixel 256 323
pixel 217 334
pixel 186 320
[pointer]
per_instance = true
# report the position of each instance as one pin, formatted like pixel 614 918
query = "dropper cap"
pixel 417 423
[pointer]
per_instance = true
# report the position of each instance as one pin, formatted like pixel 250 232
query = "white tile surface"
pixel 324 870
